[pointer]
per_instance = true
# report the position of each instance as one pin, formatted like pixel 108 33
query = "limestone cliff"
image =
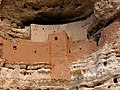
pixel 88 49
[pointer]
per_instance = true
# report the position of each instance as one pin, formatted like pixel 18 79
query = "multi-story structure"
pixel 56 45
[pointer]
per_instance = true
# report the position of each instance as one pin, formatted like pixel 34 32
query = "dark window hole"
pixel 1 18
pixel 74 66
pixel 80 48
pixel 3 64
pixel 25 6
pixel 34 8
pixel 115 80
pixel 14 47
pixel 67 37
pixel 26 73
pixel 62 6
pixel 26 67
pixel 56 38
pixel 105 63
pixel 77 88
pixel 69 51
pixel 43 28
pixel 77 5
pixel 108 86
pixel 35 51
pixel 18 88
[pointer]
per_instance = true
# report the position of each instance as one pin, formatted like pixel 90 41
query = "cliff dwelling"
pixel 47 44
pixel 59 44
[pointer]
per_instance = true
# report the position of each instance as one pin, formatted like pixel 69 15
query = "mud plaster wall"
pixel 26 51
pixel 59 49
pixel 82 49
pixel 54 51
pixel 76 31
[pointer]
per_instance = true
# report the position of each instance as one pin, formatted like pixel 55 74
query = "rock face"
pixel 97 71
pixel 105 12
pixel 25 12
pixel 93 63
pixel 100 70
pixel 22 13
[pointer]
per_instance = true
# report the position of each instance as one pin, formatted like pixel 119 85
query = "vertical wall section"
pixel 58 50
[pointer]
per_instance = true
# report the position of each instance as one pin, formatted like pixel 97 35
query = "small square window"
pixel 14 47
pixel 35 51
pixel 56 38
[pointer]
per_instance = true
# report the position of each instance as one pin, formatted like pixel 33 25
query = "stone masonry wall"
pixel 76 30
pixel 26 51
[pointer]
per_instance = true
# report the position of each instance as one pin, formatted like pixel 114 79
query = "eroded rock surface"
pixel 25 12
pixel 98 71
pixel 105 12
pixel 22 13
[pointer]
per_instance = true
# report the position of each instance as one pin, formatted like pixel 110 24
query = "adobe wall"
pixel 26 51
pixel 53 51
pixel 58 44
pixel 59 49
pixel 76 30
pixel 82 49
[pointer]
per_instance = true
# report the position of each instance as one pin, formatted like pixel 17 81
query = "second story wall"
pixel 76 31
